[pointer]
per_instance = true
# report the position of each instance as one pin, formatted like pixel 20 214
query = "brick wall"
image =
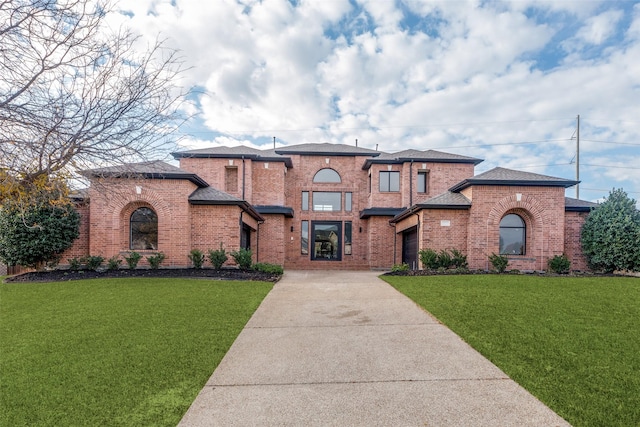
pixel 268 183
pixel 80 247
pixel 572 247
pixel 113 201
pixel 272 243
pixel 212 225
pixel 443 229
pixel 542 209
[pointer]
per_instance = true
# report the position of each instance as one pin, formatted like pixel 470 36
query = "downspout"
pixel 411 183
pixel 243 178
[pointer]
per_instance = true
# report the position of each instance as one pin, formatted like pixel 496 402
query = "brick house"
pixel 327 206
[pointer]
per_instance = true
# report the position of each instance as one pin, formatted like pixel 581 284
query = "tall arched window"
pixel 327 175
pixel 513 233
pixel 143 227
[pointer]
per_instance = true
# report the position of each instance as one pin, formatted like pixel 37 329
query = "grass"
pixel 572 342
pixel 124 352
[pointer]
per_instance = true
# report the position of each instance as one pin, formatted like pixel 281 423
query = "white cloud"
pixel 598 29
pixel 452 74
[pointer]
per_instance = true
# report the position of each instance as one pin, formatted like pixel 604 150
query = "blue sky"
pixel 500 80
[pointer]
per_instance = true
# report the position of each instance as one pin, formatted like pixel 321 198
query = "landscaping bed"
pixel 205 273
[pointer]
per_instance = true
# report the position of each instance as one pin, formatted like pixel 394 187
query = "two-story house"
pixel 330 206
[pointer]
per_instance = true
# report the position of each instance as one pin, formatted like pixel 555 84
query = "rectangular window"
pixel 422 182
pixel 327 201
pixel 347 238
pixel 231 179
pixel 305 200
pixel 304 241
pixel 389 181
pixel 347 201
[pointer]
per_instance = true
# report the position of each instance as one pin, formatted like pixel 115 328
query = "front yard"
pixel 125 352
pixel 572 342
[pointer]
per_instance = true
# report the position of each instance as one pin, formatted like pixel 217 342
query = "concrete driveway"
pixel 336 348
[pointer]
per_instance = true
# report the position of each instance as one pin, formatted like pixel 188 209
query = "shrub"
pixel 242 257
pixel 265 267
pixel 610 234
pixel 132 259
pixel 94 262
pixel 559 264
pixel 114 262
pixel 218 257
pixel 155 260
pixel 32 235
pixel 428 258
pixel 400 267
pixel 75 263
pixel 444 259
pixel 499 262
pixel 458 260
pixel 197 258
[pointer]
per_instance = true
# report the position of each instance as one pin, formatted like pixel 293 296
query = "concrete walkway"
pixel 346 349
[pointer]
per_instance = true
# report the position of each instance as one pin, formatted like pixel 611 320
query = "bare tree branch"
pixel 75 95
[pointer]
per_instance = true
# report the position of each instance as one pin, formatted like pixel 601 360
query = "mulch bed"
pixel 204 273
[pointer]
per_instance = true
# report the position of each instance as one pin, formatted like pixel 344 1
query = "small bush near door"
pixel 242 257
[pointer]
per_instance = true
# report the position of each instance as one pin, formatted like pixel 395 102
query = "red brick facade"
pixel 272 204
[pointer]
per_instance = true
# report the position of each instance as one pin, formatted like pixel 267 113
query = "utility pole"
pixel 578 157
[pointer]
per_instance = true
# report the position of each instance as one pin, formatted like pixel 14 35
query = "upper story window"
pixel 422 182
pixel 389 181
pixel 327 201
pixel 327 175
pixel 143 228
pixel 513 233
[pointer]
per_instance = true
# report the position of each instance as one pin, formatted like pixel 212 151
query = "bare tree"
pixel 75 94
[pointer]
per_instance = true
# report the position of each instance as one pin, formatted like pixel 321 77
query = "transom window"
pixel 389 181
pixel 327 175
pixel 143 227
pixel 513 233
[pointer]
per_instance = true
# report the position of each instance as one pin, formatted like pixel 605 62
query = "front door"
pixel 326 240
pixel 410 247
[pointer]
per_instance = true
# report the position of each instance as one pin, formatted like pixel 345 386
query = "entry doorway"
pixel 326 240
pixel 410 247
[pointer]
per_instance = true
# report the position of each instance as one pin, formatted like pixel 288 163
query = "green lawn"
pixel 126 352
pixel 572 342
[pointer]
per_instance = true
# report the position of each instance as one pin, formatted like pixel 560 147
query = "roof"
pixel 325 148
pixel 238 152
pixel 510 177
pixel 446 200
pixel 155 169
pixel 577 205
pixel 275 210
pixel 431 156
pixel 369 212
pixel 212 196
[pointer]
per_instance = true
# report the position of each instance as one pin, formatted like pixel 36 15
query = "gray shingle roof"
pixel 155 169
pixel 213 196
pixel 446 200
pixel 237 152
pixel 325 148
pixel 577 205
pixel 432 156
pixel 503 176
pixel 210 195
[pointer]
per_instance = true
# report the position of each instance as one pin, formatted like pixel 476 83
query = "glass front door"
pixel 326 241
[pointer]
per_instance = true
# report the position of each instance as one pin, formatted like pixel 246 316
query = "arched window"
pixel 513 233
pixel 327 175
pixel 143 227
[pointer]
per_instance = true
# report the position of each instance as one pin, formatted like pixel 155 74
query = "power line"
pixel 611 142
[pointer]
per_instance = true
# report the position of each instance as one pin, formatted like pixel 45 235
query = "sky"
pixel 504 81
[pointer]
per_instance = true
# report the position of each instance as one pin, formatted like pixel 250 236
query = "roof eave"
pixel 511 183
